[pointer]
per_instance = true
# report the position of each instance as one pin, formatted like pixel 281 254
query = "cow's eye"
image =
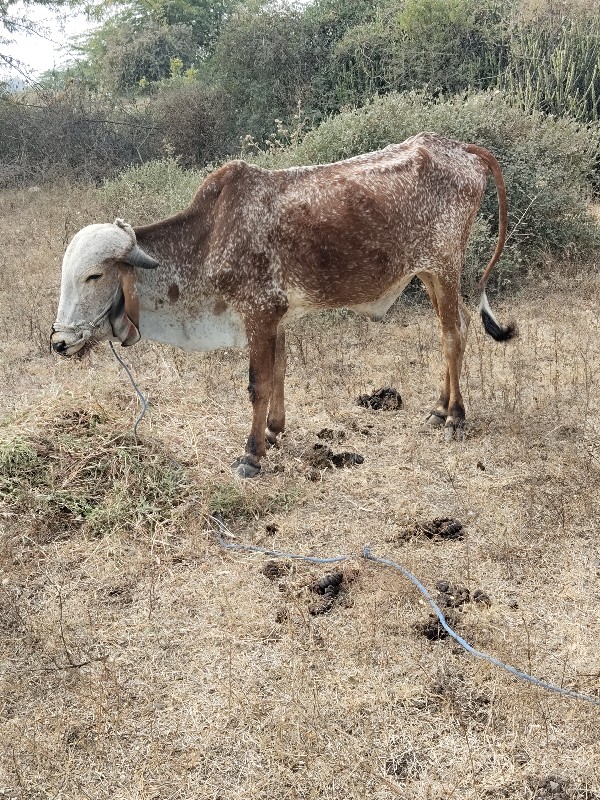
pixel 91 278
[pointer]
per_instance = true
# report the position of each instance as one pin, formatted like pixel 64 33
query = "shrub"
pixel 151 191
pixel 446 45
pixel 554 62
pixel 195 120
pixel 72 137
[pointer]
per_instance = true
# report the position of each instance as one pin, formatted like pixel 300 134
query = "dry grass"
pixel 138 660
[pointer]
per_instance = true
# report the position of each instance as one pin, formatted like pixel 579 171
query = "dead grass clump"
pixel 76 472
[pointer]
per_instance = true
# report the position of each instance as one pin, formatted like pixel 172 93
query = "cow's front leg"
pixel 276 417
pixel 262 340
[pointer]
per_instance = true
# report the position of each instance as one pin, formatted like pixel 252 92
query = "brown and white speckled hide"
pixel 257 248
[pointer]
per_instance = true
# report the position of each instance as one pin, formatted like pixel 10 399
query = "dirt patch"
pixel 274 570
pixel 552 787
pixel 432 628
pixel 405 766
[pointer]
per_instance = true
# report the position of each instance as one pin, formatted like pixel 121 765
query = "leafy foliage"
pixel 556 67
pixel 125 56
pixel 445 46
pixel 260 62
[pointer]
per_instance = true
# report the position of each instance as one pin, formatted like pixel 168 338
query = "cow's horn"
pixel 137 258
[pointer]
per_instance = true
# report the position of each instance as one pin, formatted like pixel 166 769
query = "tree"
pixel 259 61
pixel 139 38
pixel 272 57
pixel 11 20
pixel 123 55
pixel 447 45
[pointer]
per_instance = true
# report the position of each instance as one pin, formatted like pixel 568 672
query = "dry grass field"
pixel 140 661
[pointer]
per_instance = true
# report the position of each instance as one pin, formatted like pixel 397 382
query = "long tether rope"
pixel 368 555
pixel 142 399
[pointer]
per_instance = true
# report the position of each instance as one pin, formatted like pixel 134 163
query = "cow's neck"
pixel 176 304
pixel 176 243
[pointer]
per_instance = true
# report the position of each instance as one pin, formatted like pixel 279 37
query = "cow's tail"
pixel 501 333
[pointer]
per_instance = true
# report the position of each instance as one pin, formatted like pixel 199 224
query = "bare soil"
pixel 138 659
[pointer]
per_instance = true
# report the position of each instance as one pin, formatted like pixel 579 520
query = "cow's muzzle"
pixel 58 346
pixel 64 347
pixel 68 340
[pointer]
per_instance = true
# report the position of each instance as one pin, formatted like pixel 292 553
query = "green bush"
pixel 553 62
pixel 446 45
pixel 195 120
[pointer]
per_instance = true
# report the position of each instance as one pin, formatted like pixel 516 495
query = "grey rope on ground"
pixel 141 397
pixel 250 548
pixel 368 555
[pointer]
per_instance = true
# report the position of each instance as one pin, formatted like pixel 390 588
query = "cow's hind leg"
pixel 438 414
pixel 276 416
pixel 454 322
pixel 262 342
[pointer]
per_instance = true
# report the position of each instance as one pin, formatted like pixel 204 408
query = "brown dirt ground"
pixel 142 661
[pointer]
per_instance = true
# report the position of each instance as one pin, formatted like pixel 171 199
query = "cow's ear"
pixel 125 314
pixel 138 258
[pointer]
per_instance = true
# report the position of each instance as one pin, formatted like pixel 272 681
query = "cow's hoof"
pixel 454 431
pixel 435 419
pixel 244 468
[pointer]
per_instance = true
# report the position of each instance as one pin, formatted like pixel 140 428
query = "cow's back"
pixel 344 233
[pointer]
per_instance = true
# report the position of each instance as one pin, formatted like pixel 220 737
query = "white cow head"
pixel 98 299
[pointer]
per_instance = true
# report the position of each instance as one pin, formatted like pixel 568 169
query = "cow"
pixel 258 248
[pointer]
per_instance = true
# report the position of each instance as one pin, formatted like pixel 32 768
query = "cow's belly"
pixel 376 309
pixel 202 331
pixel 300 303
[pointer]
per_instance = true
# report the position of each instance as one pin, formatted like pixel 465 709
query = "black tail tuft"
pixel 501 333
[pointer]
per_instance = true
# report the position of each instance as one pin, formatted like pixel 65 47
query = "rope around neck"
pixel 368 555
